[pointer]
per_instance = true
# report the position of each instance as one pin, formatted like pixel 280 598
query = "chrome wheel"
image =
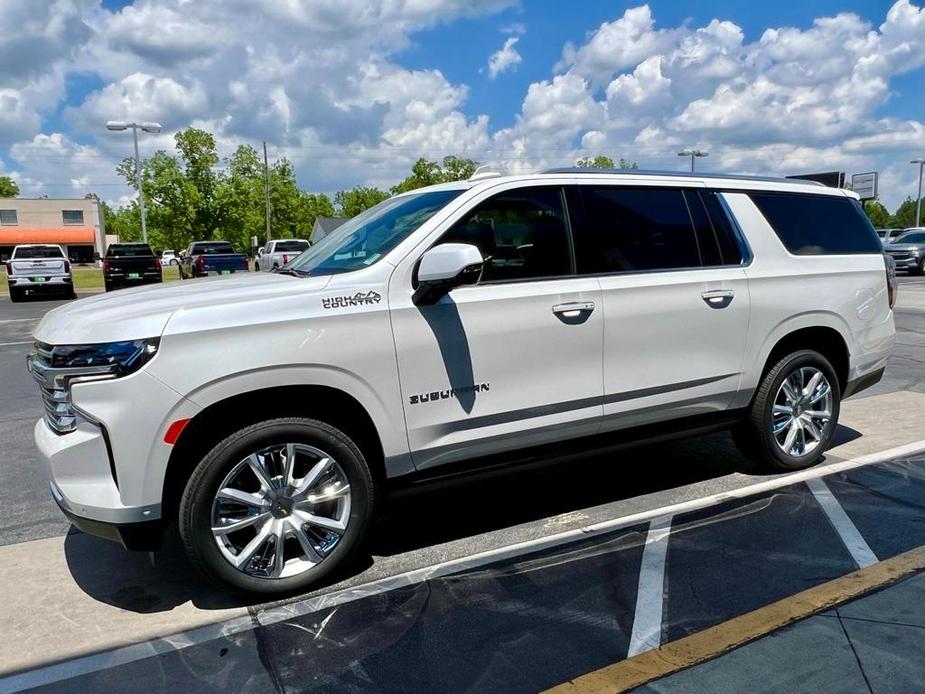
pixel 802 411
pixel 281 511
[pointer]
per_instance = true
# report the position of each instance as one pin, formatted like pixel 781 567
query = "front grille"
pixel 55 392
pixel 900 255
pixel 55 386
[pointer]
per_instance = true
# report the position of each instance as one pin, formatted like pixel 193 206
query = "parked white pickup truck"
pixel 39 268
pixel 277 253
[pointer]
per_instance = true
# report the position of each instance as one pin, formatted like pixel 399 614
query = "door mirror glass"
pixel 444 267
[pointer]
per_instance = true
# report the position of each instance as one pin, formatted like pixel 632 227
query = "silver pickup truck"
pixel 277 253
pixel 39 269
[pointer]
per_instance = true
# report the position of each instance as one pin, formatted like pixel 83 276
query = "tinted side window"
pixel 626 229
pixel 725 235
pixel 521 233
pixel 818 224
pixel 912 238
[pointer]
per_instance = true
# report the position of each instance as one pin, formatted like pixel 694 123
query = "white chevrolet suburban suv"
pixel 493 321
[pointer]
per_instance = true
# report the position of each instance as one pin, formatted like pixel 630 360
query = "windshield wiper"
pixel 291 271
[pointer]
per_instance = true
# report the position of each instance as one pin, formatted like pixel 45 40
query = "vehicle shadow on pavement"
pixel 127 580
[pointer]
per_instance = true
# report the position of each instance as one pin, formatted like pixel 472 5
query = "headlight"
pixel 57 367
pixel 122 357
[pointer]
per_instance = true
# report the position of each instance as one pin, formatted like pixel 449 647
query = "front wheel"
pixel 794 413
pixel 174 263
pixel 920 268
pixel 277 506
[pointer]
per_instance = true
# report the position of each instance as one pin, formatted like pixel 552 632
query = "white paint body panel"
pixel 549 377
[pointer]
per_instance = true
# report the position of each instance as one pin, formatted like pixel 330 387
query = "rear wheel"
pixel 794 413
pixel 17 294
pixel 277 506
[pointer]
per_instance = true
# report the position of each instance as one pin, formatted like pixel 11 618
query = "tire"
pixel 256 267
pixel 919 269
pixel 315 442
pixel 173 263
pixel 755 436
pixel 108 286
pixel 17 295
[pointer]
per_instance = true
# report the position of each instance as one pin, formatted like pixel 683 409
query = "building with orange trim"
pixel 76 224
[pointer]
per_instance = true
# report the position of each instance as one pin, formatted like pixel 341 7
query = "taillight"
pixel 105 265
pixel 892 286
pixel 67 266
pixel 9 268
pixel 285 259
pixel 201 262
pixel 157 263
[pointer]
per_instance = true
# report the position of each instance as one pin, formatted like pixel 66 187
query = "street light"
pixel 693 153
pixel 118 125
pixel 918 206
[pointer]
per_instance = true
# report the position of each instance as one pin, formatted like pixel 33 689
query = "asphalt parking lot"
pixel 509 564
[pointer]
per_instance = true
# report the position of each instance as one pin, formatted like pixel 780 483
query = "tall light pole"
pixel 918 205
pixel 693 154
pixel 148 128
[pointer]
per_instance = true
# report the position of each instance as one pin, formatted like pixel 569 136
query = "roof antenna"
pixel 485 171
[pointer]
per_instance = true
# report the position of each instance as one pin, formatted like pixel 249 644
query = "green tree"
pixel 427 173
pixel 602 161
pixel 350 203
pixel 8 187
pixel 877 213
pixel 905 214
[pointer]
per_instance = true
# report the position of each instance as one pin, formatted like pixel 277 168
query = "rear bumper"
pixel 54 283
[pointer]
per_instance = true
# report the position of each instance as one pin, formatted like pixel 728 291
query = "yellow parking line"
pixel 714 641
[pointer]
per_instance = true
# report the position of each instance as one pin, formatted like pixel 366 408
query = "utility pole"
pixel 918 204
pixel 266 186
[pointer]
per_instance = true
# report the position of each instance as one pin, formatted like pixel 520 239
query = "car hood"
pixel 131 314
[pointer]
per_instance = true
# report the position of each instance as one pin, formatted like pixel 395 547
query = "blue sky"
pixel 352 91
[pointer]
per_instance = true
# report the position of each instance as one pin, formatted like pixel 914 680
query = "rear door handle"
pixel 573 309
pixel 718 298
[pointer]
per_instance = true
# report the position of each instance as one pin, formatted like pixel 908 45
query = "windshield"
pixel 914 236
pixel 24 252
pixel 363 240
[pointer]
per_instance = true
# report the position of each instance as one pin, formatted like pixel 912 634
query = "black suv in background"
pixel 130 264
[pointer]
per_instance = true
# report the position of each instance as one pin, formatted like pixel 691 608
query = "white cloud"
pixel 504 59
pixel 323 83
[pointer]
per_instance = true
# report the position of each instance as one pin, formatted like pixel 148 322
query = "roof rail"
pixel 675 174
pixel 485 171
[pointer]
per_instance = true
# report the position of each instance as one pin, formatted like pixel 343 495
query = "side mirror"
pixel 260 251
pixel 96 257
pixel 444 267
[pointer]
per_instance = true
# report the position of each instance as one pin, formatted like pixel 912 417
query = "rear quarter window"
pixel 818 224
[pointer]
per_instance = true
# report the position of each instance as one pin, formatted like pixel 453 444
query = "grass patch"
pixel 91 277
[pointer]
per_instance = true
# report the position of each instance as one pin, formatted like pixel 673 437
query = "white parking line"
pixel 855 543
pixel 20 320
pixel 127 654
pixel 650 596
pixel 10 344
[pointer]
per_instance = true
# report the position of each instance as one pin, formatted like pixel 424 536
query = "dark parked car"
pixel 211 258
pixel 908 250
pixel 129 264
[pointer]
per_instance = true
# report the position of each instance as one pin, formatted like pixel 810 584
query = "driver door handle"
pixel 718 298
pixel 573 309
